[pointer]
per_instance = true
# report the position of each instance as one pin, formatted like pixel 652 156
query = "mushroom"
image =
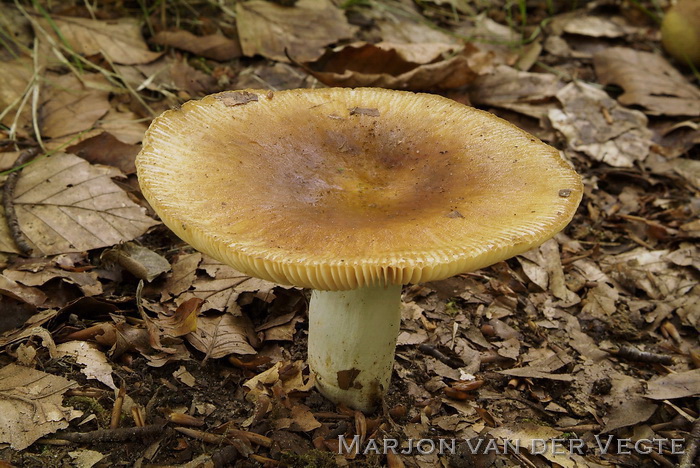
pixel 352 193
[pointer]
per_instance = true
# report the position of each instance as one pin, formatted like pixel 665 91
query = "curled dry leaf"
pixel 64 204
pixel 184 272
pixel 212 46
pixel 120 41
pixel 595 124
pixel 649 81
pixel 28 294
pixel 220 335
pixel 224 284
pixel 87 281
pixel 398 66
pixel 96 365
pixel 184 320
pixel 31 405
pixel 269 29
pixel 140 261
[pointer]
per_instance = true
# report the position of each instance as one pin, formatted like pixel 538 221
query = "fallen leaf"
pixel 680 385
pixel 167 74
pixel 140 261
pixel 594 123
pixel 127 127
pixel 185 377
pixel 649 81
pixel 16 79
pixel 96 365
pixel 184 320
pixel 531 94
pixel 86 458
pixel 71 105
pixel 397 66
pixel 108 150
pixel 64 204
pixel 30 404
pixel 224 284
pixel 213 46
pixel 220 335
pixel 30 295
pixel 630 413
pixel 184 272
pixel 120 40
pixel 270 30
pixel 87 281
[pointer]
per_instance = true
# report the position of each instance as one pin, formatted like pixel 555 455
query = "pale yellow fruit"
pixel 680 31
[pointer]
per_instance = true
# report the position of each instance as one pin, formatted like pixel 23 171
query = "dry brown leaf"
pixel 630 413
pixel 16 78
pixel 127 127
pixel 269 29
pixel 96 365
pixel 30 295
pixel 594 123
pixel 224 284
pixel 184 272
pixel 138 260
pixel 120 40
pixel 220 335
pixel 184 320
pixel 64 204
pixel 214 46
pixel 87 281
pixel 531 94
pixel 398 66
pixel 71 105
pixel 185 377
pixel 31 405
pixel 680 385
pixel 168 73
pixel 648 80
pixel 108 150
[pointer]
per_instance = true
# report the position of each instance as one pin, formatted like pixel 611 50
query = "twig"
pixel 691 448
pixel 117 409
pixel 440 356
pixel 112 435
pixel 633 354
pixel 8 204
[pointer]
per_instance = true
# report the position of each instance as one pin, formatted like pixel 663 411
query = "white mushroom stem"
pixel 352 339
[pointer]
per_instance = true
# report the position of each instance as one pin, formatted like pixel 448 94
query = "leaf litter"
pixel 593 334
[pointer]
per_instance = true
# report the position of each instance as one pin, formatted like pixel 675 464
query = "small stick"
pixel 112 435
pixel 440 356
pixel 633 354
pixel 117 410
pixel 691 449
pixel 8 196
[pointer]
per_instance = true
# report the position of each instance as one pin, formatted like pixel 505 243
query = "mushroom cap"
pixel 336 188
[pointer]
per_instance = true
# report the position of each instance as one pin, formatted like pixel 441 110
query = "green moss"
pixel 310 459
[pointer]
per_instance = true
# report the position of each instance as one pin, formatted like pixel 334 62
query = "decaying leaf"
pixel 398 66
pixel 594 123
pixel 680 385
pixel 30 295
pixel 184 320
pixel 72 105
pixel 96 365
pixel 138 260
pixel 220 335
pixel 168 73
pixel 213 46
pixel 64 204
pixel 31 405
pixel 184 272
pixel 648 80
pixel 120 41
pixel 531 94
pixel 270 30
pixel 224 284
pixel 108 150
pixel 85 280
pixel 17 78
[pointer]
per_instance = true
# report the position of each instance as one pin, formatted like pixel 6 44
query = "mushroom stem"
pixel 352 339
